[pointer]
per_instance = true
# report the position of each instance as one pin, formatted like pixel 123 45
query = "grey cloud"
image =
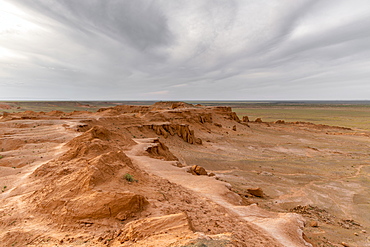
pixel 139 23
pixel 214 49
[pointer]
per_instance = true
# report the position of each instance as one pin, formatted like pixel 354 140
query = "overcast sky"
pixel 185 49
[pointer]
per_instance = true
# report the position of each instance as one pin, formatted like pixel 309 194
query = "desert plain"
pixel 182 174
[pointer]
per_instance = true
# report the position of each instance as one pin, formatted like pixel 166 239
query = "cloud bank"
pixel 185 49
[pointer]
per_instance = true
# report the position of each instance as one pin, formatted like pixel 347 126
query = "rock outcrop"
pixel 168 225
pixel 160 151
pixel 245 119
pixel 205 118
pixel 181 130
pixel 258 120
pixel 126 109
pixel 171 105
pixel 226 112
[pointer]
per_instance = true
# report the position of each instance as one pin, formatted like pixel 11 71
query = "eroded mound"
pixel 87 182
pixel 102 133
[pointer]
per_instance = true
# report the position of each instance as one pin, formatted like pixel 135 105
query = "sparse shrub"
pixel 130 178
pixel 1 156
pixel 3 189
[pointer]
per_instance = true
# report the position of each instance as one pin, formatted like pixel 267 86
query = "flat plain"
pixel 352 114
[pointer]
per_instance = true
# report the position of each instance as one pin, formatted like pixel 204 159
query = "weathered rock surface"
pixel 181 130
pixel 168 225
pixel 100 205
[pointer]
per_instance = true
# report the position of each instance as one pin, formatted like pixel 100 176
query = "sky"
pixel 184 50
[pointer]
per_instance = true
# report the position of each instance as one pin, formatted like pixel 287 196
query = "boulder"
pixel 255 192
pixel 234 128
pixel 198 141
pixel 279 122
pixel 198 170
pixel 314 223
pixel 178 164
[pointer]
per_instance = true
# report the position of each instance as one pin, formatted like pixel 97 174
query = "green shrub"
pixel 130 178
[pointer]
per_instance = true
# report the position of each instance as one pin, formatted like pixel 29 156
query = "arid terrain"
pixel 177 174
